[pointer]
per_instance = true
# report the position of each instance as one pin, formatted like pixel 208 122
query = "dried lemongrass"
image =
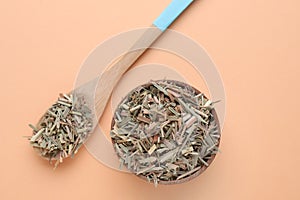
pixel 165 131
pixel 63 129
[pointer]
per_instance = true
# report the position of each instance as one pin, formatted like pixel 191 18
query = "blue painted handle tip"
pixel 169 15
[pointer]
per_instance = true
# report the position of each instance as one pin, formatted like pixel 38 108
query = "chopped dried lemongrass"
pixel 165 131
pixel 63 128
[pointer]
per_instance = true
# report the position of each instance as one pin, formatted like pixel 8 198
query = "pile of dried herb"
pixel 63 129
pixel 165 131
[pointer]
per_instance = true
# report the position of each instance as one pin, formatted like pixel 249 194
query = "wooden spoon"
pixel 64 119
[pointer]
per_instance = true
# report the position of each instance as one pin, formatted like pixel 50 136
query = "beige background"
pixel 255 45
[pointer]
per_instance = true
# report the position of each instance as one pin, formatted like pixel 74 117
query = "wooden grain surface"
pixel 114 72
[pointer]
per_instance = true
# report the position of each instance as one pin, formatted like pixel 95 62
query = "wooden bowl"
pixel 204 167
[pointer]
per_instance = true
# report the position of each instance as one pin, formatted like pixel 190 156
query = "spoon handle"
pixel 115 71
